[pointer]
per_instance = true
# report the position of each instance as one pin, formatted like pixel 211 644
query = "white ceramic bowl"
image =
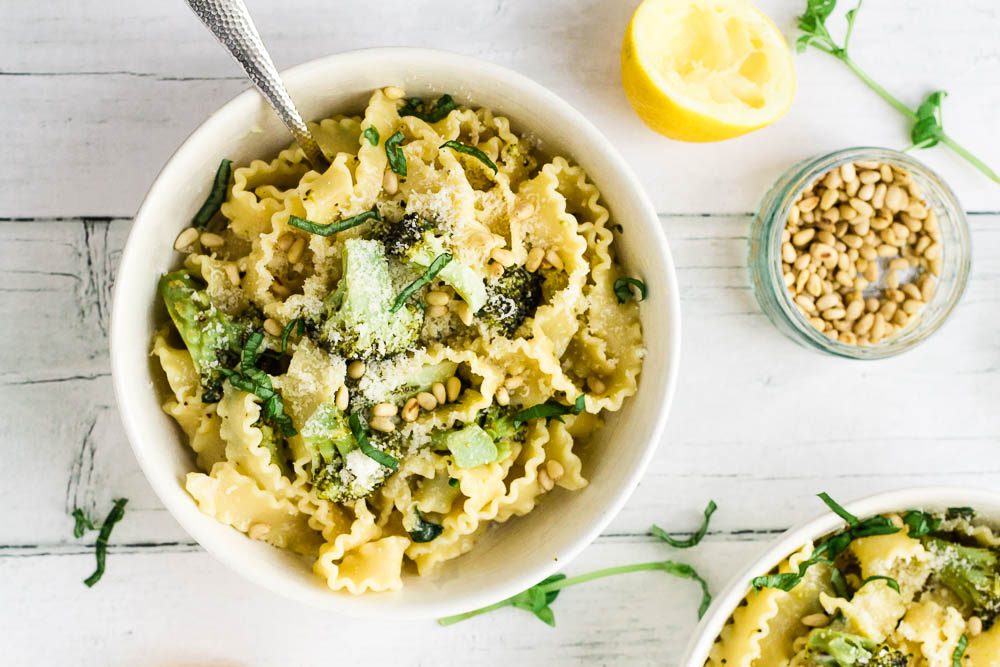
pixel 929 498
pixel 510 557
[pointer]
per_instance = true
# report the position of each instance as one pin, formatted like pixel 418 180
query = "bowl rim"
pixel 708 629
pixel 241 106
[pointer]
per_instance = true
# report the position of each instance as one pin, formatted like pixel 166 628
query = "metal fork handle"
pixel 230 22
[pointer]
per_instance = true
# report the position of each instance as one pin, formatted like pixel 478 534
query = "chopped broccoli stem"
pixel 973 574
pixel 360 324
pixel 829 647
pixel 213 338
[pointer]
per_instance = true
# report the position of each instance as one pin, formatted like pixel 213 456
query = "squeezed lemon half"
pixel 706 70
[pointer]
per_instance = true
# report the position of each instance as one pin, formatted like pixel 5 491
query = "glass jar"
pixel 767 278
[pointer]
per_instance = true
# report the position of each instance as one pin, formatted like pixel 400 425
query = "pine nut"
pixel 832 180
pixel 596 385
pixel 975 626
pixel 210 240
pixel 834 314
pixel 280 290
pixel 427 401
pixel 233 273
pixel 854 310
pixel 818 620
pixel 452 388
pixel 390 182
pixel 927 290
pixel 828 301
pixel 911 306
pixel 847 172
pixel 437 298
pixel 866 192
pixel 503 398
pixel 864 325
pixel 186 239
pixel 343 398
pixel 502 256
pixel 933 251
pixel 410 410
pixel 885 171
pixel 285 241
pixel 862 207
pixel 382 424
pixel 892 279
pixel 888 310
pixel 814 285
pixel 464 313
pixel 439 392
pixel 272 327
pixel 437 311
pixel 808 204
pixel 912 291
pixel 385 410
pixel 552 257
pixel 258 531
pixel 878 327
pixel 356 369
pixel 545 481
pixel 555 469
pixel 869 177
pixel 794 215
pixel 522 210
pixel 295 252
pixel 394 92
pixel 535 257
pixel 828 199
pixel 806 303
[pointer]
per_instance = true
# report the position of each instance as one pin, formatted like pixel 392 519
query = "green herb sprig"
pixel 333 227
pixel 695 539
pixel 919 524
pixel 393 151
pixel 415 106
pixel 928 129
pixel 623 289
pixel 430 274
pixel 829 548
pixel 889 581
pixel 247 377
pixel 101 545
pixel 360 431
pixel 298 323
pixel 551 410
pixel 959 652
pixel 215 198
pixel 538 598
pixel 83 523
pixel 459 147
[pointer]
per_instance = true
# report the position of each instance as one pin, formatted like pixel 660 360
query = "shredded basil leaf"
pixel 371 134
pixel 919 524
pixel 459 147
pixel 435 268
pixel 333 227
pixel 215 198
pixel 959 652
pixel 694 539
pixel 828 548
pixel 890 582
pixel 966 513
pixel 550 410
pixel 360 431
pixel 425 531
pixel 442 107
pixel 453 483
pixel 101 546
pixel 83 523
pixel 623 289
pixel 297 322
pixel 393 151
pixel 839 583
pixel 253 380
pixel 838 509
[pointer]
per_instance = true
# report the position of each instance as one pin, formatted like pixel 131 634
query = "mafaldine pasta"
pixel 914 589
pixel 374 362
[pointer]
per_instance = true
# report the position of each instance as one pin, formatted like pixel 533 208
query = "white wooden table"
pixel 96 96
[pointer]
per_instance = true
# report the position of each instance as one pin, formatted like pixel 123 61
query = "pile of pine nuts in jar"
pixel 860 252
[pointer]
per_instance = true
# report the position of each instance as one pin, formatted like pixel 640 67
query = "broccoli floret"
pixel 511 298
pixel 340 470
pixel 498 422
pixel 420 241
pixel 828 647
pixel 973 574
pixel 399 238
pixel 359 323
pixel 213 338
